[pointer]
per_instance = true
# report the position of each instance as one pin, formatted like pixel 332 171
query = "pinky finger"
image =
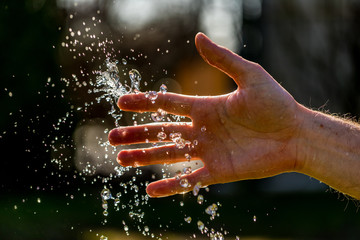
pixel 172 186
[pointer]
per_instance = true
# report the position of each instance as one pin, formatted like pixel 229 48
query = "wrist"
pixel 304 149
pixel 328 150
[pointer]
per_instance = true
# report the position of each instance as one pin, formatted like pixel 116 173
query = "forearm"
pixel 329 150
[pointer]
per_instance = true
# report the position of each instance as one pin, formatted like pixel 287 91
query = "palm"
pixel 245 134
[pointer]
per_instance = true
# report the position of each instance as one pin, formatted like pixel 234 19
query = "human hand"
pixel 250 133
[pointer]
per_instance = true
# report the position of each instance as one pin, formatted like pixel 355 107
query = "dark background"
pixel 311 47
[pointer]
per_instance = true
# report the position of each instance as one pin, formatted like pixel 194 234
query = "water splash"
pixel 108 84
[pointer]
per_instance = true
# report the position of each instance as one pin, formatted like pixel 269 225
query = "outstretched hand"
pixel 250 133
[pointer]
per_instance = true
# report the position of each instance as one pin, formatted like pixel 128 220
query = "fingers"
pixel 157 155
pixel 172 186
pixel 223 59
pixel 169 102
pixel 149 133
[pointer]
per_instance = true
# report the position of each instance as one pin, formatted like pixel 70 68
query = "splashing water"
pixel 109 85
pixel 135 78
pixel 109 82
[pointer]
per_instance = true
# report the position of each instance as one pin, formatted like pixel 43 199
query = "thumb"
pixel 222 58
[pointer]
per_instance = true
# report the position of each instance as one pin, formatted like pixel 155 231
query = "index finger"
pixel 170 102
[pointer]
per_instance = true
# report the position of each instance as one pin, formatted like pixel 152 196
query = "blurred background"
pixel 55 160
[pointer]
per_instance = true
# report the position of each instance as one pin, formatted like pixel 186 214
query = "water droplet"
pixel 188 157
pixel 254 218
pixel 196 188
pixel 188 219
pixel 135 78
pixel 159 115
pixel 105 213
pixel 134 75
pixel 161 136
pixel 102 237
pixel 124 62
pixel 203 129
pixel 200 199
pixel 119 170
pixel 187 170
pixel 184 183
pixel 38 200
pixel 211 210
pixel 181 203
pixel 163 88
pixel 105 194
pixel 104 204
pixel 152 95
pixel 200 225
pixel 178 175
pixel 180 143
pixel 146 228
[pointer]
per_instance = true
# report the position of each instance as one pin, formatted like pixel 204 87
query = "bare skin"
pixel 257 131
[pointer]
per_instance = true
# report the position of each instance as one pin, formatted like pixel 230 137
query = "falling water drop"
pixel 200 199
pixel 105 213
pixel 102 237
pixel 201 225
pixel 211 210
pixel 105 194
pixel 188 219
pixel 196 188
